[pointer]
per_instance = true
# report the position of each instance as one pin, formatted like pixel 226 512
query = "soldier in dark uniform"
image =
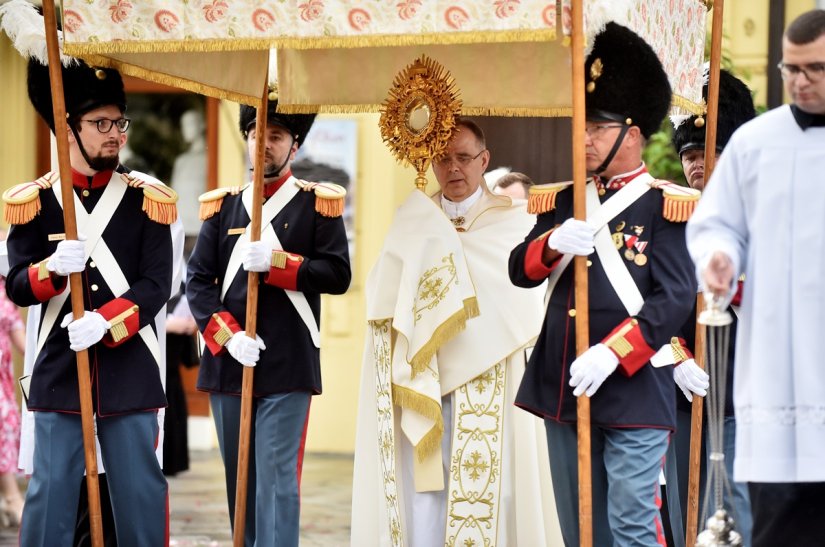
pixel 302 253
pixel 641 286
pixel 126 262
pixel 735 108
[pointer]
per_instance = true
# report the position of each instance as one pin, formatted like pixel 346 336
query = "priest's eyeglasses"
pixel 463 160
pixel 104 125
pixel 814 72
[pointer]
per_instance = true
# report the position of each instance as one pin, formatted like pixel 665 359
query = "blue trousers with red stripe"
pixel 137 487
pixel 625 479
pixel 276 455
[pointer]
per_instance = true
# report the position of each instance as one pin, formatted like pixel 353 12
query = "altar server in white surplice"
pixel 761 215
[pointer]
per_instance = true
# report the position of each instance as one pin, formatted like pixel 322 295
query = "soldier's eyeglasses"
pixel 463 160
pixel 593 131
pixel 814 72
pixel 104 125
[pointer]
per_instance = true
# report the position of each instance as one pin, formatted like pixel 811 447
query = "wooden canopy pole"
pixel 251 325
pixel 580 271
pixel 75 281
pixel 696 417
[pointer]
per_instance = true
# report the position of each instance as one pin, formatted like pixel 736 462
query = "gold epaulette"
pixel 212 200
pixel 329 197
pixel 679 201
pixel 22 202
pixel 158 199
pixel 543 197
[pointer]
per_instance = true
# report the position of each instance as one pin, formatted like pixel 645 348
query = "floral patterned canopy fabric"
pixel 507 56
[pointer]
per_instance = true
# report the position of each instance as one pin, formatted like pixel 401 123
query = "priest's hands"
pixel 591 369
pixel 86 331
pixel 572 237
pixel 256 256
pixel 244 349
pixel 691 379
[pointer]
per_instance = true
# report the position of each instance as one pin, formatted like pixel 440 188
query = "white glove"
pixel 68 258
pixel 86 331
pixel 244 349
pixel 691 379
pixel 591 369
pixel 572 237
pixel 256 256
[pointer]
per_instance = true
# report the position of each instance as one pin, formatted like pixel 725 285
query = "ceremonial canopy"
pixel 508 57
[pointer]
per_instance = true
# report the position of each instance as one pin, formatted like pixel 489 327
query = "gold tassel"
pixel 163 213
pixel 21 213
pixel 678 209
pixel 541 203
pixel 329 207
pixel 209 208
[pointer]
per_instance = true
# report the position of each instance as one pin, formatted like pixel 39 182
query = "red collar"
pixel 98 180
pixel 619 181
pixel 272 187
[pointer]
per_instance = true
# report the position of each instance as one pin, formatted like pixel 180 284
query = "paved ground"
pixel 200 516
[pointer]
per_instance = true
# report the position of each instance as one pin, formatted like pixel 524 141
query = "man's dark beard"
pixel 104 163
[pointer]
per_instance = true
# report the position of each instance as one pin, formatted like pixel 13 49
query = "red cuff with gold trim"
pixel 45 284
pixel 534 266
pixel 627 342
pixel 124 317
pixel 219 330
pixel 283 270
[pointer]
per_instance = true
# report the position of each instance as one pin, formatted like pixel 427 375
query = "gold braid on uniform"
pixel 212 200
pixel 22 202
pixel 543 197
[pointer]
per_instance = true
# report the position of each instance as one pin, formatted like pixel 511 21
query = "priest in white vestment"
pixel 761 215
pixel 442 455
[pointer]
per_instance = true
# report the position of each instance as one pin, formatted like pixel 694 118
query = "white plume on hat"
pixel 24 26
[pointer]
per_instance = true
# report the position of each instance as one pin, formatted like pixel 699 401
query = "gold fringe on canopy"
pixel 83 49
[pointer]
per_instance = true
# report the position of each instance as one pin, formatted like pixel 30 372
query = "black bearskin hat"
pixel 297 124
pixel 735 108
pixel 84 89
pixel 626 82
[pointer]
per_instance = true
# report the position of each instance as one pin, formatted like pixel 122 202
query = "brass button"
pixel 93 265
pixel 85 193
pixel 94 287
pixel 571 312
pixel 589 263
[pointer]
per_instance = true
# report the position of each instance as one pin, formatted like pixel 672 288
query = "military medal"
pixel 630 254
pixel 618 236
pixel 640 259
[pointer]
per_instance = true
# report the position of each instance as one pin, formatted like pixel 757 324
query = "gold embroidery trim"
pixel 224 333
pixel 118 328
pixel 619 343
pixel 679 354
pixel 43 272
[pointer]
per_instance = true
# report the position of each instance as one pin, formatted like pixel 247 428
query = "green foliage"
pixel 661 158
